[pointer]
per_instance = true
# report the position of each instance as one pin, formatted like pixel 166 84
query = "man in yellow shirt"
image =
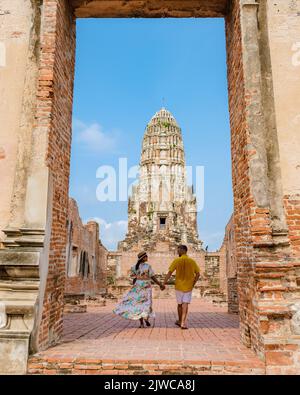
pixel 187 274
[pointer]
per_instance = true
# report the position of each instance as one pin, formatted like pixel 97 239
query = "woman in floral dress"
pixel 137 303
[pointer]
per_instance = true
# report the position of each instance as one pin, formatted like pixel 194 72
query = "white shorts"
pixel 183 297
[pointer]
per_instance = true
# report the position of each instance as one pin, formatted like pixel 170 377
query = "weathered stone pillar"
pixel 267 267
pixel 32 265
pixel 23 224
pixel 280 25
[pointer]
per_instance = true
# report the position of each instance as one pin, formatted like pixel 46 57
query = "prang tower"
pixel 162 207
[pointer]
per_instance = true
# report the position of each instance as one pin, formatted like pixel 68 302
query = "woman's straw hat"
pixel 142 255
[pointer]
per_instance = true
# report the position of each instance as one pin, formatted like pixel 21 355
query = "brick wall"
pixel 53 118
pixel 212 269
pixel 222 269
pixel 229 241
pixel 231 267
pixel 84 276
pixel 232 292
pixel 243 199
pixel 292 209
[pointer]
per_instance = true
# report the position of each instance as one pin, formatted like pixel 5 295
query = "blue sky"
pixel 124 69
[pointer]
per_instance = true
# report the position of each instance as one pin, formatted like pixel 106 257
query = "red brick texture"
pixel 54 117
pixel 240 176
pixel 292 210
pixel 128 367
pixel 100 342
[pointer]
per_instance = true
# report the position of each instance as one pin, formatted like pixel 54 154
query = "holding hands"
pixel 160 284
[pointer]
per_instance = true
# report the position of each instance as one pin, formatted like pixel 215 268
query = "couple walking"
pixel 137 303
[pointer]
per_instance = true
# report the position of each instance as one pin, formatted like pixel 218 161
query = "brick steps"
pixel 39 365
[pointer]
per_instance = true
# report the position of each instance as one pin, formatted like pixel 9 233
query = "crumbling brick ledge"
pixel 83 366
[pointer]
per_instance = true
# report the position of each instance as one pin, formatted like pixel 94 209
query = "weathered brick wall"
pixel 101 258
pixel 229 241
pixel 212 269
pixel 232 292
pixel 240 175
pixel 231 266
pixel 54 116
pixel 222 269
pixel 292 209
pixel 84 238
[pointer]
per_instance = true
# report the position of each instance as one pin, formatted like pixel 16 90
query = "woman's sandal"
pixel 142 324
pixel 177 323
pixel 148 323
pixel 184 327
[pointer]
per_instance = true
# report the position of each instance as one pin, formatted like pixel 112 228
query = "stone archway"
pixel 263 57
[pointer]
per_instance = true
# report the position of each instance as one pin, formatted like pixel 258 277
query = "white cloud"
pixel 111 232
pixel 93 138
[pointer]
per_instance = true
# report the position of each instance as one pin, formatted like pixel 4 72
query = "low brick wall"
pixel 83 366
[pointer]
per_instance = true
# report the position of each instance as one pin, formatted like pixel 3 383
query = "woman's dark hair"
pixel 138 265
pixel 139 262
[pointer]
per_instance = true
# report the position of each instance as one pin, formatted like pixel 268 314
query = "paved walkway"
pixel 98 337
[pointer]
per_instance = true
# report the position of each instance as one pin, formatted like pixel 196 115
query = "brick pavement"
pixel 99 342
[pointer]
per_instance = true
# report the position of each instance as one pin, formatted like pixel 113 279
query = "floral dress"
pixel 137 303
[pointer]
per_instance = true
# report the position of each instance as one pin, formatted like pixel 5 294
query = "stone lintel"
pixel 149 8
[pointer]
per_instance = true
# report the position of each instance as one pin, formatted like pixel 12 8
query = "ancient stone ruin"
pixel 162 213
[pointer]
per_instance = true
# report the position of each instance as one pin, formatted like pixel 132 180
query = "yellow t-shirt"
pixel 186 268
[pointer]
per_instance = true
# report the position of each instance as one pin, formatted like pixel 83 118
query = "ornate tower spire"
pixel 162 140
pixel 162 206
